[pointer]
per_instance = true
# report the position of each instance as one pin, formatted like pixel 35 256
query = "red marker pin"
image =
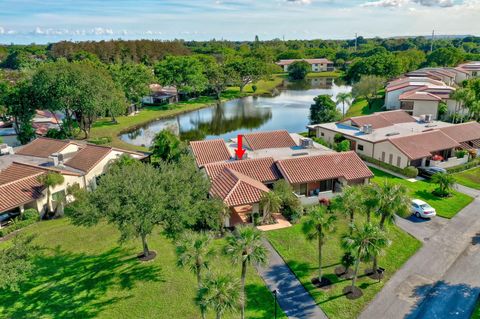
pixel 239 151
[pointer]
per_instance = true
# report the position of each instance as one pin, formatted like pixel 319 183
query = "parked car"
pixel 428 172
pixel 5 218
pixel 422 209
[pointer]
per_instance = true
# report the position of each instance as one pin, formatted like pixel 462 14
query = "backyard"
pixel 84 273
pixel 445 207
pixel 469 178
pixel 301 257
pixel 360 106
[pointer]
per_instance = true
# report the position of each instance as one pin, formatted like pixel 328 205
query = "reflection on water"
pixel 288 110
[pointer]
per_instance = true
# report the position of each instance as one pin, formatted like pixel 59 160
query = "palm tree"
pixel 220 293
pixel 315 226
pixel 270 203
pixel 392 199
pixel 463 98
pixel 365 242
pixel 445 183
pixel 369 201
pixel 344 98
pixel 50 180
pixel 245 247
pixel 347 202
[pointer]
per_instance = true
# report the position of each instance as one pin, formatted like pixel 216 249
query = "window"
pixel 383 156
pixel 360 147
pixel 390 159
pixel 322 134
pixel 399 161
pixel 326 185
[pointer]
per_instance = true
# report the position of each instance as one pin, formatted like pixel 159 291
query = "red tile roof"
pixel 382 119
pixel 19 185
pixel 324 167
pixel 210 151
pixel 310 61
pixel 419 95
pixel 88 157
pixel 236 189
pixel 43 147
pixel 422 145
pixel 463 132
pixel 271 139
pixel 261 169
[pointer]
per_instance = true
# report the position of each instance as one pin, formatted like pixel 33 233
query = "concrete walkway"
pixel 441 280
pixel 280 222
pixel 295 301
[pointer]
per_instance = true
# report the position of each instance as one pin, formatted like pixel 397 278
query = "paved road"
pixel 295 301
pixel 441 280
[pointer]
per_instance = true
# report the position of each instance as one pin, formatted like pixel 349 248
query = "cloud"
pixel 299 1
pixel 2 30
pixel 401 3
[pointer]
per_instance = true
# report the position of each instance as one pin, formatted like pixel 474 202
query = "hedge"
pixel 473 163
pixel 408 171
pixel 28 217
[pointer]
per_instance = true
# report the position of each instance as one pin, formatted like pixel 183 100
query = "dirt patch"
pixel 340 272
pixel 352 293
pixel 324 284
pixel 151 255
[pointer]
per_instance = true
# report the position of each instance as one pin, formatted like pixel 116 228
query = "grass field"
pixel 105 127
pixel 445 207
pixel 85 273
pixel 301 257
pixel 469 178
pixel 360 106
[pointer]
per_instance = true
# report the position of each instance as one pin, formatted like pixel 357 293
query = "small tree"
pixel 323 110
pixel 364 242
pixel 291 206
pixel 270 203
pixel 445 183
pixel 50 180
pixel 298 70
pixel 166 147
pixel 245 247
pixel 220 294
pixel 368 87
pixel 316 225
pixel 347 203
pixel 343 146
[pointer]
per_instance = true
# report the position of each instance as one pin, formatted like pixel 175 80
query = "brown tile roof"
pixel 324 167
pixel 19 185
pixel 210 151
pixel 86 158
pixel 43 147
pixel 236 189
pixel 271 139
pixel 419 95
pixel 422 145
pixel 260 169
pixel 463 132
pixel 382 119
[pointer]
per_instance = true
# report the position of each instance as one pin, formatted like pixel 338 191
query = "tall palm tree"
pixel 444 181
pixel 316 225
pixel 50 180
pixel 392 199
pixel 365 242
pixel 369 201
pixel 245 247
pixel 220 294
pixel 344 98
pixel 270 203
pixel 347 202
pixel 463 97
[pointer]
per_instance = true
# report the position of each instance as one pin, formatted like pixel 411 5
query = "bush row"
pixel 408 171
pixel 473 163
pixel 28 217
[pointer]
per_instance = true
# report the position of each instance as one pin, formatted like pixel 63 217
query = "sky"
pixel 44 21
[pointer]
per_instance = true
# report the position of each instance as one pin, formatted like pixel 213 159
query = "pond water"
pixel 288 110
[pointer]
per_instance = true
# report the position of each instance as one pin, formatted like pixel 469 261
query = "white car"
pixel 422 209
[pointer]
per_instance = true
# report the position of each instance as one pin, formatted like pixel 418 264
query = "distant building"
pixel 161 95
pixel 318 65
pixel 472 68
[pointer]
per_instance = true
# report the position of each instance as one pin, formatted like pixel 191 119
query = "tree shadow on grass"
pixel 260 300
pixel 71 285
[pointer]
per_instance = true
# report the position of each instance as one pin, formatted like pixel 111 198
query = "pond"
pixel 288 110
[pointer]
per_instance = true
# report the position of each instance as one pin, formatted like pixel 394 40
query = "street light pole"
pixel 275 296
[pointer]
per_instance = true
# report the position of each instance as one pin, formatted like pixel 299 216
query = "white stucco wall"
pixel 425 107
pixel 390 149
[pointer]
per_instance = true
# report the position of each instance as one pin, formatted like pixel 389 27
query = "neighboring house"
pixel 472 68
pixel 79 164
pixel 271 156
pixel 317 65
pixel 399 139
pixel 161 95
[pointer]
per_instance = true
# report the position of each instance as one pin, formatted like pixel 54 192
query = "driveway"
pixel 441 280
pixel 295 301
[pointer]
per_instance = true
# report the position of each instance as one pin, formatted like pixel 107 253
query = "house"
pixel 472 68
pixel 401 140
pixel 161 95
pixel 317 65
pixel 271 156
pixel 80 164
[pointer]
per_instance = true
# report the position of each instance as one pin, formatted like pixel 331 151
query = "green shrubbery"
pixel 461 153
pixel 408 171
pixel 473 163
pixel 100 140
pixel 28 217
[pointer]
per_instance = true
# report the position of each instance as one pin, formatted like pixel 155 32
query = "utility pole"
pixel 433 39
pixel 356 41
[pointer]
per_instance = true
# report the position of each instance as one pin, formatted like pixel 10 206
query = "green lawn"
pixel 105 127
pixel 469 178
pixel 445 207
pixel 301 257
pixel 85 273
pixel 476 311
pixel 360 106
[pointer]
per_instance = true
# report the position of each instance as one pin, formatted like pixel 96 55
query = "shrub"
pixel 472 153
pixel 411 171
pixel 338 138
pixel 100 140
pixel 254 88
pixel 461 153
pixel 15 225
pixel 473 163
pixel 343 146
pixel 30 214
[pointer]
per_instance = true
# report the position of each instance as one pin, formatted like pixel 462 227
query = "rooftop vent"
pixel 306 142
pixel 300 154
pixel 57 159
pixel 367 128
pixel 392 133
